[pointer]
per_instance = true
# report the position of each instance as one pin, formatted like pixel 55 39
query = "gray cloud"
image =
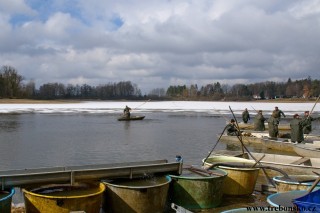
pixel 159 43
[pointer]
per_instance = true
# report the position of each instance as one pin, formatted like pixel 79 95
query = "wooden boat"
pixel 281 126
pixel 275 165
pixel 311 137
pixel 261 138
pixel 292 165
pixel 131 118
pixel 285 145
pixel 278 144
pixel 307 150
pixel 245 139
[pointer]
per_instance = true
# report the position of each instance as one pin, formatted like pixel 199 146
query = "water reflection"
pixel 127 125
pixel 9 123
pixel 127 132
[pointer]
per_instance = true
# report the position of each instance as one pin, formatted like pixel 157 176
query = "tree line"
pixel 12 85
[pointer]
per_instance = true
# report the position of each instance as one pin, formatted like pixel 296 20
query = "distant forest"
pixel 12 85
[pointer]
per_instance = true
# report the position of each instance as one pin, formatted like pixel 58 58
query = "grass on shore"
pixel 31 101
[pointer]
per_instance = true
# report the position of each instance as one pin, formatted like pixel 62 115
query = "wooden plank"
pixel 301 161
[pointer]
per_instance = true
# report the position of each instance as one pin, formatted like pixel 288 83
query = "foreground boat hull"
pixel 290 165
pixel 260 139
pixel 274 144
pixel 278 145
pixel 307 150
pixel 285 127
pixel 245 139
pixel 131 118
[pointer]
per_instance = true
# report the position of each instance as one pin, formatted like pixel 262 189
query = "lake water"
pixel 46 135
pixel 34 136
pixel 46 140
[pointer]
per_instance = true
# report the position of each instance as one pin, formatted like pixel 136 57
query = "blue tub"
pixel 309 202
pixel 5 200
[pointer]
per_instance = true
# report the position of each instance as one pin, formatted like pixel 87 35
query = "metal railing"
pixel 18 178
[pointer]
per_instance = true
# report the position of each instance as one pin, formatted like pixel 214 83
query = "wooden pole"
pixel 311 112
pixel 259 160
pixel 221 114
pixel 214 146
pixel 142 104
pixel 239 133
pixel 314 106
pixel 314 185
pixel 254 109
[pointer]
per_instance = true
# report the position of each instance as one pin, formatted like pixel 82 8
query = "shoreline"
pixel 32 101
pixel 66 101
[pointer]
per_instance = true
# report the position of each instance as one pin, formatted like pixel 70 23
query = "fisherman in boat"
pixel 231 128
pixel 245 116
pixel 273 127
pixel 259 122
pixel 297 126
pixel 308 122
pixel 126 112
pixel 277 113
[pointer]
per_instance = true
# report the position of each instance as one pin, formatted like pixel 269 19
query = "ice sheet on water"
pixel 112 107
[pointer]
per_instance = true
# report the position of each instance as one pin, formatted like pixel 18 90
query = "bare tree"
pixel 11 82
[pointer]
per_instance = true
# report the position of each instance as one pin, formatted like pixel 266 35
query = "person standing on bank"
pixel 232 129
pixel 126 112
pixel 245 116
pixel 296 126
pixel 273 127
pixel 308 122
pixel 277 113
pixel 259 122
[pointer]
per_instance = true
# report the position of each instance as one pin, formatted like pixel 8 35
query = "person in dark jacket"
pixel 308 122
pixel 259 122
pixel 273 127
pixel 245 116
pixel 232 129
pixel 296 126
pixel 277 113
pixel 126 112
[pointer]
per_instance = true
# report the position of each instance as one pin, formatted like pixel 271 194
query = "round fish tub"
pixel 296 182
pixel 5 200
pixel 284 199
pixel 136 195
pixel 64 198
pixel 193 191
pixel 239 181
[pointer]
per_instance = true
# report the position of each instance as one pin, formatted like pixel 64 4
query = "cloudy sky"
pixel 158 43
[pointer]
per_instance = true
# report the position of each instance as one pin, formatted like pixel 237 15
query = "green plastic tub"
pixel 193 191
